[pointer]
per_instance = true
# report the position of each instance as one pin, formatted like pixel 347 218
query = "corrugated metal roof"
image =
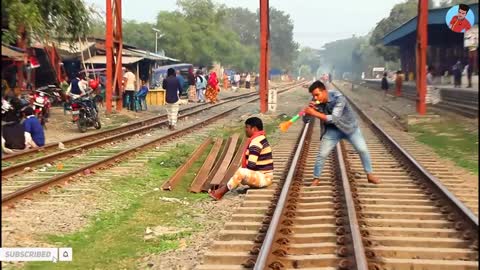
pixel 102 59
pixel 8 52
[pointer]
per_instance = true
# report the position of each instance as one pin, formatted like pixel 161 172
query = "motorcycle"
pixel 41 106
pixel 84 112
pixel 53 93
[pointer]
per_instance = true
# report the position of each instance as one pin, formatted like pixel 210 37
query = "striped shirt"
pixel 259 155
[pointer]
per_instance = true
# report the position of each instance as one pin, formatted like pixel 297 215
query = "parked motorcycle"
pixel 54 94
pixel 84 112
pixel 41 106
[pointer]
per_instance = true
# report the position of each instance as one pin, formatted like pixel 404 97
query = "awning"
pixel 150 55
pixel 102 59
pixel 13 54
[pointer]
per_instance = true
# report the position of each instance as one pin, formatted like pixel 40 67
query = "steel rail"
pixel 140 123
pixel 106 131
pixel 11 197
pixel 360 259
pixel 261 262
pixel 433 181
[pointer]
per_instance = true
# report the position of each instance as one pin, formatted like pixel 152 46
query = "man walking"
pixel 201 85
pixel 457 74
pixel 257 161
pixel 385 85
pixel 338 122
pixel 173 89
pixel 192 92
pixel 130 79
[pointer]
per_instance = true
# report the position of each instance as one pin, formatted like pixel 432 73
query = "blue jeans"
pixel 330 139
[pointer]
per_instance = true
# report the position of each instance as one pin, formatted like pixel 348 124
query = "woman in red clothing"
pixel 212 88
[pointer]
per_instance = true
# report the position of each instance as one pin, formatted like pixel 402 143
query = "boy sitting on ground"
pixel 257 161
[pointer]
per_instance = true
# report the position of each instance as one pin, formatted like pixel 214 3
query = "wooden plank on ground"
pixel 223 152
pixel 180 172
pixel 202 175
pixel 236 162
pixel 218 177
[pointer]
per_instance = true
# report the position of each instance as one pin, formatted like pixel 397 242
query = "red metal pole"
pixel 422 56
pixel 264 36
pixel 119 50
pixel 109 56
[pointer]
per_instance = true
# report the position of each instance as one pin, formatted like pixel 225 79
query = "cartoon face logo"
pixel 459 18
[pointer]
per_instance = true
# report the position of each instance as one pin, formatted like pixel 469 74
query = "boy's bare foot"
pixel 316 182
pixel 373 179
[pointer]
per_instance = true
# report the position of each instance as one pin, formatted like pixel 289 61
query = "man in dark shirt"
pixel 35 136
pixel 385 84
pixel 173 89
pixel 257 162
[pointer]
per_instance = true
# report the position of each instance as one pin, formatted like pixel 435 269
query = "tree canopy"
pixel 62 20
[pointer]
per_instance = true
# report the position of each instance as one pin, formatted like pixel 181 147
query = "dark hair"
pixel 171 72
pixel 28 111
pixel 385 74
pixel 254 122
pixel 315 85
pixel 464 7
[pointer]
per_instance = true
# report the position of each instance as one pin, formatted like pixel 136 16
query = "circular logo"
pixel 460 18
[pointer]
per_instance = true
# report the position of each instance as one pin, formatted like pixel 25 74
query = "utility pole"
pixel 264 37
pixel 422 34
pixel 157 36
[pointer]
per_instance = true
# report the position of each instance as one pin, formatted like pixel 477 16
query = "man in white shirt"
pixel 129 82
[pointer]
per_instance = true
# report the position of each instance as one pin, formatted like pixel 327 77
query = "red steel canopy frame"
pixel 114 47
pixel 264 38
pixel 422 56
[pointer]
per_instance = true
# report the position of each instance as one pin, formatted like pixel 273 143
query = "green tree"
pixel 307 56
pixel 283 47
pixel 245 23
pixel 197 33
pixel 400 14
pixel 45 19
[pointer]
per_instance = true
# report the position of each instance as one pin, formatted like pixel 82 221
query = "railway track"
pixel 18 186
pixel 459 102
pixel 408 221
pixel 19 161
pixel 466 191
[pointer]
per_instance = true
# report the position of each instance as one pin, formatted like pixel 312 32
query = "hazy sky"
pixel 316 21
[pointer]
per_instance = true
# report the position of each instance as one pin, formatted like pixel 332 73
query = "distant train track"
pixel 18 182
pixel 457 101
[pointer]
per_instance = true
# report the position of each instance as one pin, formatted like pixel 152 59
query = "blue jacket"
pixel 143 91
pixel 339 113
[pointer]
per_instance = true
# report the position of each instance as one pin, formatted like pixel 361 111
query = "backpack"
pixel 201 82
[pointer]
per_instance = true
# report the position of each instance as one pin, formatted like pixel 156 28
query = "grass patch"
pixel 450 140
pixel 115 239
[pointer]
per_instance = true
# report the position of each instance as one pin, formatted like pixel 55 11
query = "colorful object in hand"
pixel 284 126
